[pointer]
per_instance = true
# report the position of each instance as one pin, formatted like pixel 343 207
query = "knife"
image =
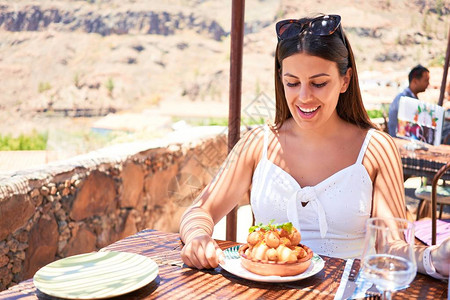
pixel 351 282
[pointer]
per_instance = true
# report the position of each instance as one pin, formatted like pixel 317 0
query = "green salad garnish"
pixel 286 226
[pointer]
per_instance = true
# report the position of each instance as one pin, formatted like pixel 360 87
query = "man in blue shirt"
pixel 419 79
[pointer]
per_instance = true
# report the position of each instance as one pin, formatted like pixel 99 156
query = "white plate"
pixel 95 275
pixel 232 264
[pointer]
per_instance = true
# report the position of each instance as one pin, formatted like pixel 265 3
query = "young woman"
pixel 322 165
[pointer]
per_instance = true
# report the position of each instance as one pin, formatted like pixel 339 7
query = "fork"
pixel 373 293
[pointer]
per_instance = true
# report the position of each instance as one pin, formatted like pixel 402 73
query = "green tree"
pixel 33 141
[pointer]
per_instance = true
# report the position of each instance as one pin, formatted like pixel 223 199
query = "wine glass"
pixel 388 259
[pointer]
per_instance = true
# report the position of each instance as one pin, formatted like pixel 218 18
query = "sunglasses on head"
pixel 320 26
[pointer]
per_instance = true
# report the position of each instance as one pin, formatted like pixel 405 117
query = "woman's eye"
pixel 319 85
pixel 292 84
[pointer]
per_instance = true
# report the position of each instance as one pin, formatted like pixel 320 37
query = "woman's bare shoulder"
pixel 381 153
pixel 382 156
pixel 255 131
pixel 249 146
pixel 383 143
pixel 252 136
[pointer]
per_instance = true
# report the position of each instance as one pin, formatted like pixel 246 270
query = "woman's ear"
pixel 347 78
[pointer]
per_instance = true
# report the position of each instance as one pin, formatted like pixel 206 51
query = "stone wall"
pixel 90 201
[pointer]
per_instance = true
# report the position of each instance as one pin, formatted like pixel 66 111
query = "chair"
pixel 437 195
pixel 424 194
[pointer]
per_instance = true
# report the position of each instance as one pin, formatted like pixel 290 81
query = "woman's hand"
pixel 202 252
pixel 440 257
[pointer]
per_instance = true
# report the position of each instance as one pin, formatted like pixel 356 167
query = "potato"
pixel 295 237
pixel 272 239
pixel 302 253
pixel 253 238
pixel 285 241
pixel 292 257
pixel 259 252
pixel 253 251
pixel 280 250
pixel 299 252
pixel 272 254
pixel 284 253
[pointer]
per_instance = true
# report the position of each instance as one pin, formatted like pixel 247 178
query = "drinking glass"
pixel 388 259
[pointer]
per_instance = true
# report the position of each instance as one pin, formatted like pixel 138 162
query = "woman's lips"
pixel 307 113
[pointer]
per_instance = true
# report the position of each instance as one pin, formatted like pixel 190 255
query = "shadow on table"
pixel 310 284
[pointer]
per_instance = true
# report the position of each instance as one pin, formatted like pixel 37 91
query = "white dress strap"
pixel 364 145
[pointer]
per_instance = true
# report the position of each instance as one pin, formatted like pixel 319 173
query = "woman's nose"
pixel 304 92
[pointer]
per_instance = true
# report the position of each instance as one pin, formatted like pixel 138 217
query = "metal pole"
pixel 444 76
pixel 234 116
pixel 436 177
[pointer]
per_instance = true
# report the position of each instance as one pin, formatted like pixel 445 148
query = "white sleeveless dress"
pixel 333 221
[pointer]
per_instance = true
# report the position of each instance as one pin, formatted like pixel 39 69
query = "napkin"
pixel 423 230
pixel 361 285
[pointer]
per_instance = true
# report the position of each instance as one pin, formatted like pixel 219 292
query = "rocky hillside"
pixel 84 55
pixel 124 20
pixel 88 58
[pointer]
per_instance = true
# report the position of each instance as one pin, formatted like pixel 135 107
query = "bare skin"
pixel 419 85
pixel 302 148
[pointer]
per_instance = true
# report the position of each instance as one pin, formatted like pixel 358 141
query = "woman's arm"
pixel 218 198
pixel 383 163
pixel 234 177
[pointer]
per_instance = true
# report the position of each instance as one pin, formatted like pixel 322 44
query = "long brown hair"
pixel 350 106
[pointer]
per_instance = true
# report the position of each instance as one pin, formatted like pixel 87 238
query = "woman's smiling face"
pixel 312 86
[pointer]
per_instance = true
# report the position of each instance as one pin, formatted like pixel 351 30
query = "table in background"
pixel 176 281
pixel 423 163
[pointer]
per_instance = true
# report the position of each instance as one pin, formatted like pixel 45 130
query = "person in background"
pixel 321 164
pixel 419 79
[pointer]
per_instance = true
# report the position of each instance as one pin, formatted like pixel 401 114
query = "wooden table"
pixel 424 163
pixel 176 281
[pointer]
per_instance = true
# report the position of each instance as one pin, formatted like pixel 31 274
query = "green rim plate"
pixel 232 264
pixel 95 275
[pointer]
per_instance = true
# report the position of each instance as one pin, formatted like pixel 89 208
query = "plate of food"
pixel 96 275
pixel 273 253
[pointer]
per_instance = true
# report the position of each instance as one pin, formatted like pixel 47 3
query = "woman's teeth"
pixel 308 110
